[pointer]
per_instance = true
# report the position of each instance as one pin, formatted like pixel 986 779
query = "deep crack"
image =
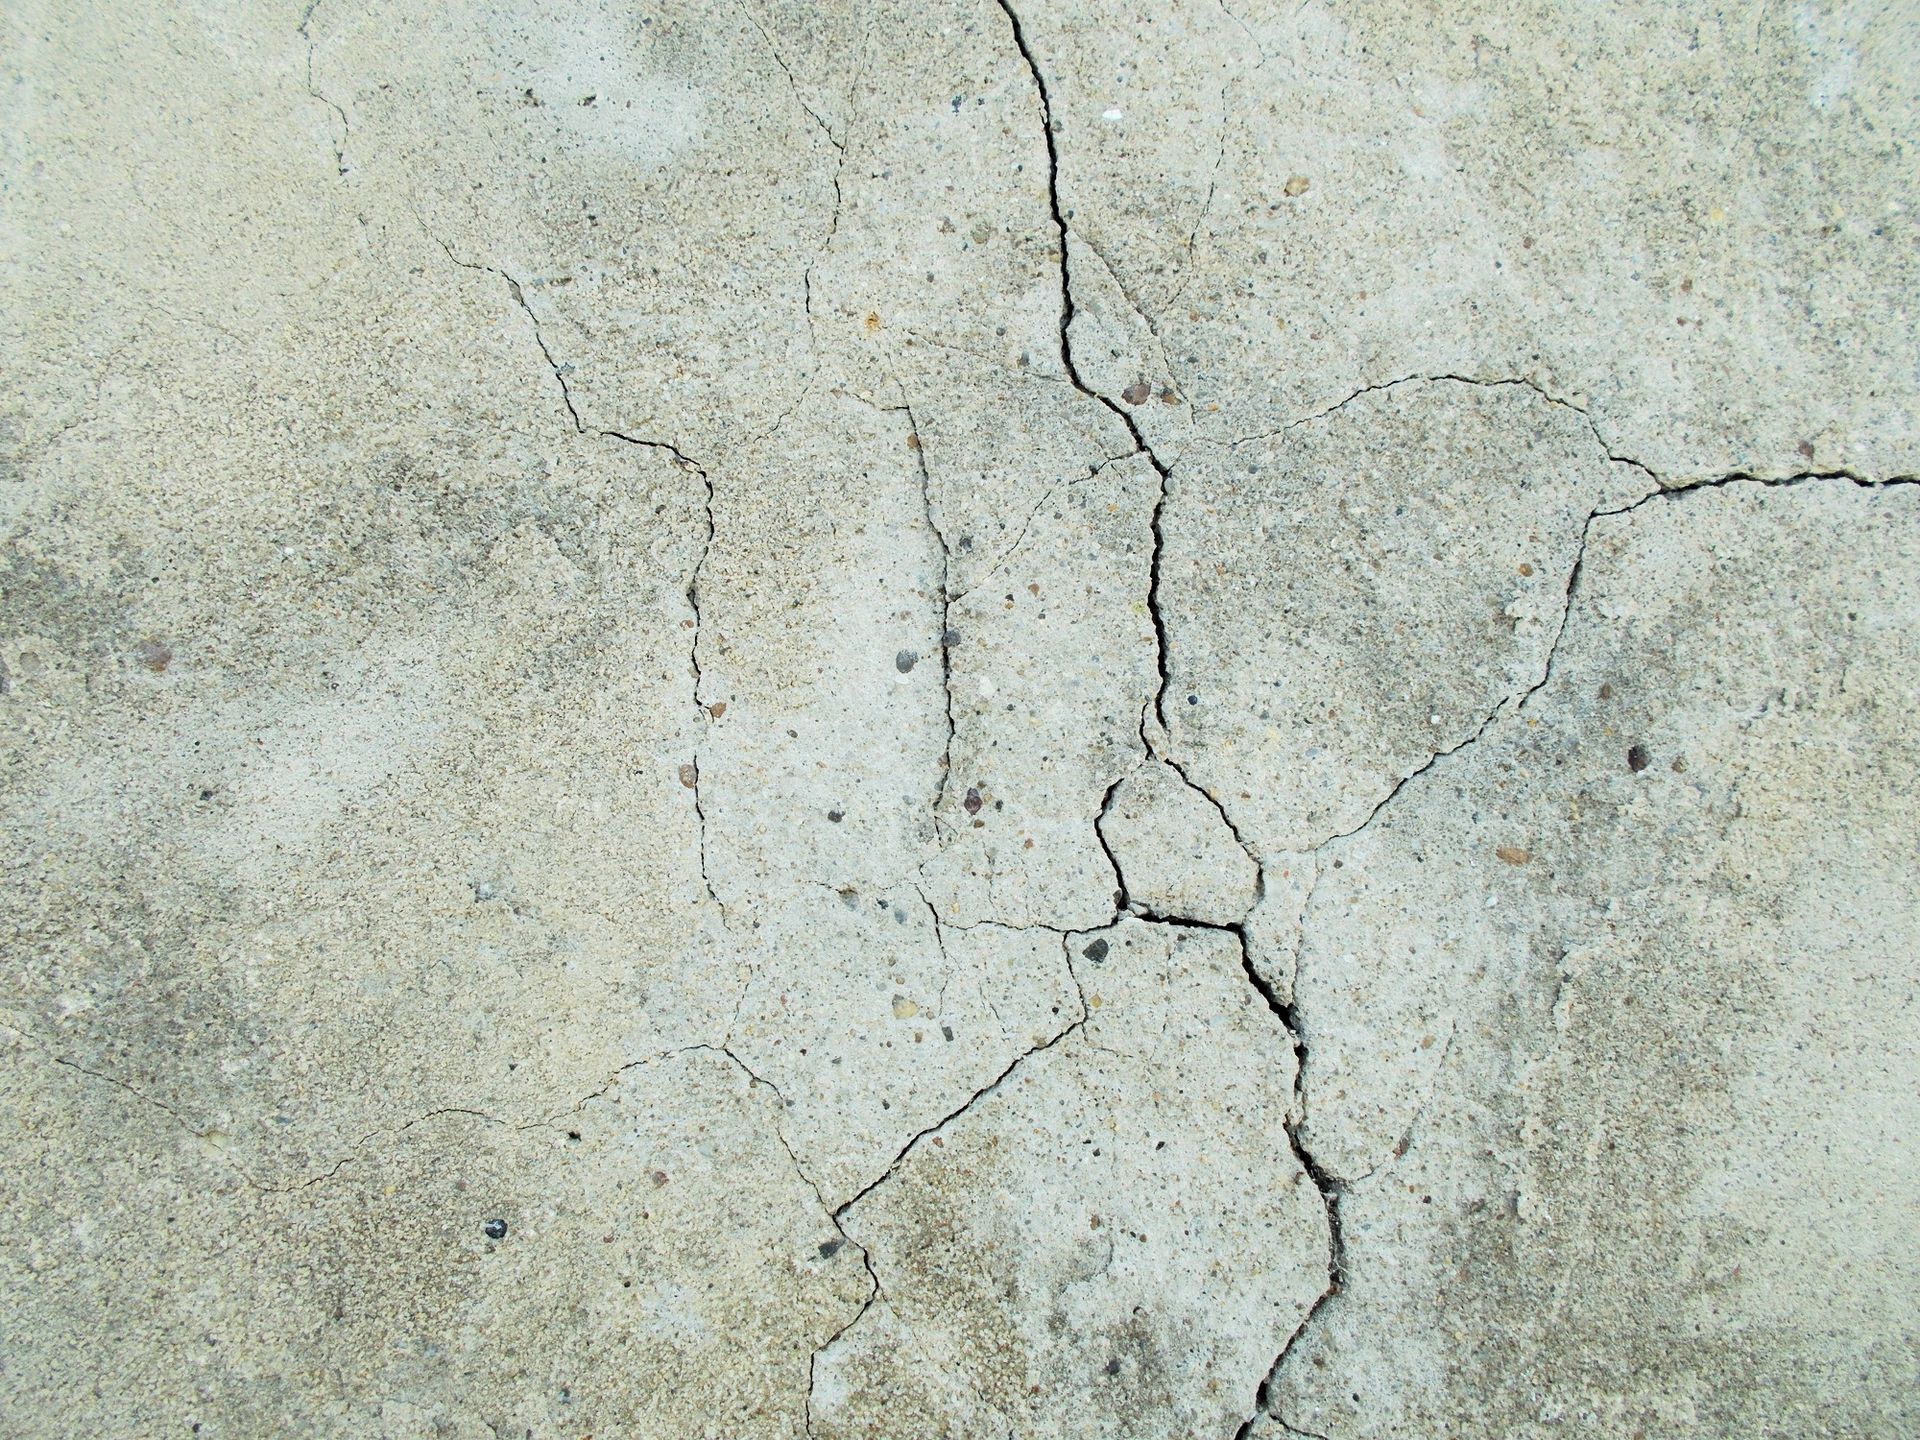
pixel 1067 313
pixel 1330 1186
pixel 1329 1194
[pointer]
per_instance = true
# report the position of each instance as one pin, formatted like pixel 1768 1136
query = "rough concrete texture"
pixel 973 719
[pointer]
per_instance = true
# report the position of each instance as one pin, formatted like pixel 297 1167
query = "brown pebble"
pixel 1136 393
pixel 1637 758
pixel 1513 854
pixel 1296 185
pixel 717 709
pixel 659 1178
pixel 153 654
pixel 689 775
pixel 973 802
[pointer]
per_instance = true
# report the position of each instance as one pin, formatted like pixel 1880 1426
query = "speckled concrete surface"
pixel 979 719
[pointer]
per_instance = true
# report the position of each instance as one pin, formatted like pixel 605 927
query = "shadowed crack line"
pixel 1330 1188
pixel 1329 1194
pixel 1067 313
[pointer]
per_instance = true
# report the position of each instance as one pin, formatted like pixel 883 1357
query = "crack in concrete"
pixel 346 126
pixel 207 1136
pixel 1330 1188
pixel 833 1218
pixel 838 1214
pixel 519 294
pixel 1442 377
pixel 793 82
pixel 992 1085
pixel 949 637
pixel 705 716
pixel 1665 483
pixel 1000 561
pixel 1147 317
pixel 840 144
pixel 1517 701
pixel 1068 311
pixel 685 463
pixel 204 1137
pixel 1329 1194
pixel 1514 704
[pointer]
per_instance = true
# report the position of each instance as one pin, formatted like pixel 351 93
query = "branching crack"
pixel 806 1178
pixel 838 1214
pixel 1329 1193
pixel 1332 1187
pixel 1497 382
pixel 839 144
pixel 1517 702
pixel 1000 561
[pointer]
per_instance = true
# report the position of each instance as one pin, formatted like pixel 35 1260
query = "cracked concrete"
pixel 995 718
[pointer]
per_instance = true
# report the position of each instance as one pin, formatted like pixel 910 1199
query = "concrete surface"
pixel 972 719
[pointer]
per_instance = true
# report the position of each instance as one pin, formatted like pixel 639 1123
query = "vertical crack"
pixel 691 773
pixel 1067 313
pixel 1328 1189
pixel 346 126
pixel 917 443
